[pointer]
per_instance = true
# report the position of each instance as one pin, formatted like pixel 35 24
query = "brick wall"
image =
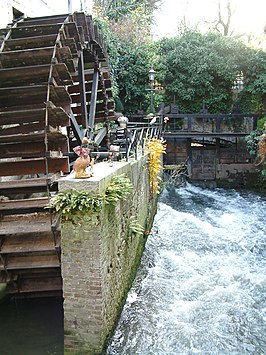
pixel 100 257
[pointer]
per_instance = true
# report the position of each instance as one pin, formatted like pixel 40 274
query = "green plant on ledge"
pixel 74 204
pixel 135 227
pixel 119 188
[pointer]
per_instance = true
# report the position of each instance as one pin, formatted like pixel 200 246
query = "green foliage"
pixel 253 67
pixel 118 9
pixel 197 68
pixel 261 122
pixel 119 188
pixel 135 227
pixel 113 44
pixel 133 65
pixel 75 204
pixel 252 141
pixel 193 68
pixel 257 151
pixel 130 50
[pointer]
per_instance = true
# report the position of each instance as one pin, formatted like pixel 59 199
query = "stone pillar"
pixel 100 257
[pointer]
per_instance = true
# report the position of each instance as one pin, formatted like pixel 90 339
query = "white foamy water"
pixel 201 287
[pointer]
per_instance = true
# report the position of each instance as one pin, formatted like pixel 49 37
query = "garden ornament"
pixel 122 121
pixel 84 161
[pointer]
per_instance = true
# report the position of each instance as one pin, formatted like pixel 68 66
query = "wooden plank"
pixel 33 166
pixel 25 30
pixel 43 20
pixel 31 203
pixel 82 21
pixel 30 42
pixel 32 184
pixel 36 56
pixel 34 75
pixel 30 224
pixel 105 73
pixel 33 262
pixel 57 116
pixel 28 244
pixel 52 134
pixel 64 55
pixel 71 43
pixel 32 95
pixel 34 149
pixel 74 89
pixel 88 73
pixel 21 129
pixel 100 116
pixel 26 57
pixel 39 285
pixel 75 98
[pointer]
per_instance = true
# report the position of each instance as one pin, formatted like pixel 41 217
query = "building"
pixel 13 9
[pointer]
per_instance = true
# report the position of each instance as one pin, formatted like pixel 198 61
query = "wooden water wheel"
pixel 55 88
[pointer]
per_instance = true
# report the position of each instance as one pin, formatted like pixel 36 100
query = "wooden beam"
pixel 75 128
pixel 33 166
pixel 82 87
pixel 93 100
pixel 100 136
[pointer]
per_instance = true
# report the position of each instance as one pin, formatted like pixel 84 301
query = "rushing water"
pixel 201 287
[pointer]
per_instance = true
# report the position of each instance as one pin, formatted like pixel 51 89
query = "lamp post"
pixel 236 88
pixel 151 78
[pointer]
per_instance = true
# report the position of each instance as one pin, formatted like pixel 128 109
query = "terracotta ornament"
pixel 83 161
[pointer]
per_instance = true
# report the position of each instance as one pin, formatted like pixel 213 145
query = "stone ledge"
pixel 102 175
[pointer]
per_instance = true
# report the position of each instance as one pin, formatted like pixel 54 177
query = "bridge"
pixel 210 144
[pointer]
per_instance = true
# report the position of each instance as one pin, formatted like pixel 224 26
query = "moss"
pixel 152 208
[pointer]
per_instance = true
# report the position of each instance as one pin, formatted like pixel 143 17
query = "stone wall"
pixel 100 257
pixel 236 175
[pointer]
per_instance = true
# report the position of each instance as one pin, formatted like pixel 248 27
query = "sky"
pixel 249 15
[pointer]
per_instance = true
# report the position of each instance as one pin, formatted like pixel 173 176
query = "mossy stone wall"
pixel 100 256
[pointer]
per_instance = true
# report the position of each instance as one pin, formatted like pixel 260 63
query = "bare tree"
pixel 224 20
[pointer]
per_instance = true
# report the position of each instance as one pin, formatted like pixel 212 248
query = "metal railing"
pixel 133 136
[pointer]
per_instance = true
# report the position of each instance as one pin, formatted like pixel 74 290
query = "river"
pixel 200 289
pixel 31 327
pixel 201 286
